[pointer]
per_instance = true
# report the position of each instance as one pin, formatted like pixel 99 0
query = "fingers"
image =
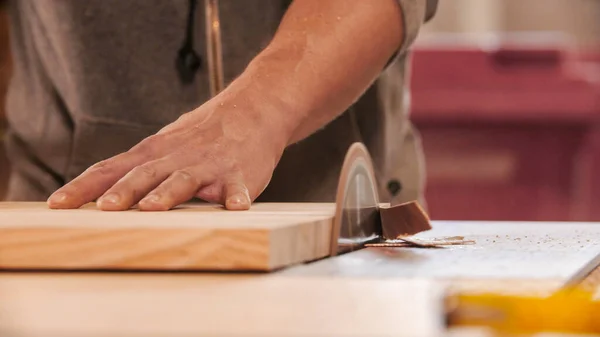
pixel 94 181
pixel 179 187
pixel 236 193
pixel 183 185
pixel 136 184
pixel 124 180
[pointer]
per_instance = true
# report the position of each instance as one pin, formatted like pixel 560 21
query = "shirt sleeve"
pixel 414 14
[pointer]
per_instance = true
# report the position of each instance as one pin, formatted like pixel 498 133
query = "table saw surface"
pixel 370 292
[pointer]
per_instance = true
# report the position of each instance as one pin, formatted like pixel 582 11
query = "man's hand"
pixel 323 57
pixel 223 152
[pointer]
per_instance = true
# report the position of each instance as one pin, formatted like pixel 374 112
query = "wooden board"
pixel 212 305
pixel 192 237
pixel 503 251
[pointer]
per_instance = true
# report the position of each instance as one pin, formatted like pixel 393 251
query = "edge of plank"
pixel 309 241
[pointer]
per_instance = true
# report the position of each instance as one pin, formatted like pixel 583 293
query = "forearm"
pixel 324 56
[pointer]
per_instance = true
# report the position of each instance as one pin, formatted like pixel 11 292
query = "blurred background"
pixel 506 95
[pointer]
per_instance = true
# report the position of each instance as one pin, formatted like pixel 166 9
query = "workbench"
pixel 368 292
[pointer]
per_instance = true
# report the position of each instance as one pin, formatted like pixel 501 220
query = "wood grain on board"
pixel 192 237
pixel 216 305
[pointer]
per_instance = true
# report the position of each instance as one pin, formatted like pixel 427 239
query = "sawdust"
pixel 442 241
pixel 409 241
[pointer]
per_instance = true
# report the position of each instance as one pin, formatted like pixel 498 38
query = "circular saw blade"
pixel 356 220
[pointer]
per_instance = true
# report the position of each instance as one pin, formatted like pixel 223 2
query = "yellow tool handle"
pixel 566 312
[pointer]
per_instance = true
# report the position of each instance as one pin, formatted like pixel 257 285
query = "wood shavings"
pixel 434 242
pixel 390 243
pixel 408 241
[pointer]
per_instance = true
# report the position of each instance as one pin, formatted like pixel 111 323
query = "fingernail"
pixel 58 198
pixel 151 198
pixel 238 200
pixel 111 198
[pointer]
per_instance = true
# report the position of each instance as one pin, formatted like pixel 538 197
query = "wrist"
pixel 274 98
pixel 255 107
